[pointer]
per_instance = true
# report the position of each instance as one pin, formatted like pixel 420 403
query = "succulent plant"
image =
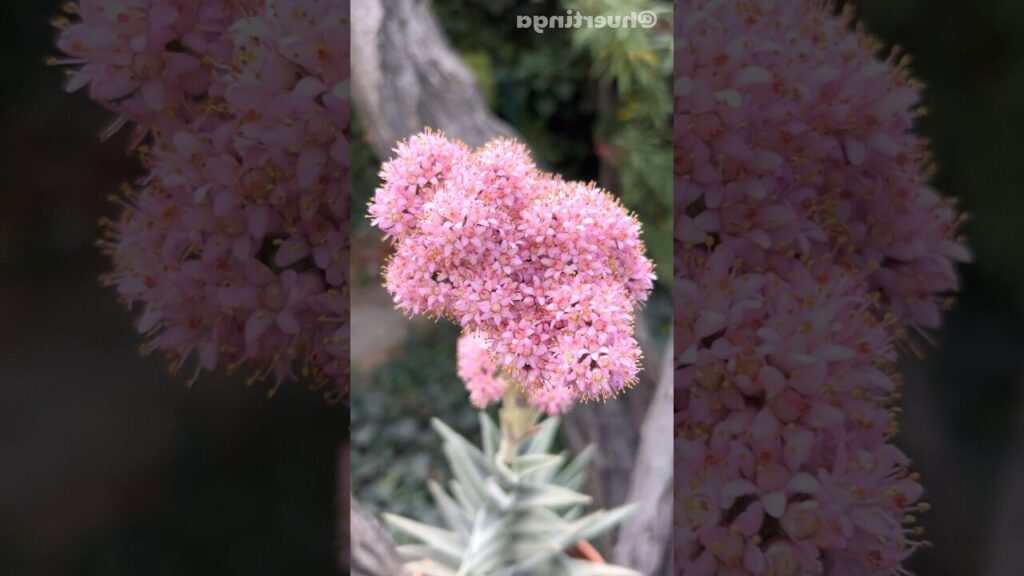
pixel 513 508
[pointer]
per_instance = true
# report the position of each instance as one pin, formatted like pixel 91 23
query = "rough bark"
pixel 645 536
pixel 373 551
pixel 614 428
pixel 406 77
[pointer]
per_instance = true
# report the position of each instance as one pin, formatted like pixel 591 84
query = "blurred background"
pixel 963 424
pixel 110 466
pixel 591 104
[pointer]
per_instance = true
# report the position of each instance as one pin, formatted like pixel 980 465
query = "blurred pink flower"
pixel 235 243
pixel 807 240
pixel 478 371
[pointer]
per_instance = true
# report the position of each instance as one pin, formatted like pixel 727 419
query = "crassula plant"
pixel 512 507
pixel 810 250
pixel 234 244
pixel 544 276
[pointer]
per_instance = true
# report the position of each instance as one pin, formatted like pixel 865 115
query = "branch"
pixel 644 537
pixel 406 77
pixel 613 427
pixel 373 551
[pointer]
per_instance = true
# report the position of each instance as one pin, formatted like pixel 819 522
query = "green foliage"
pixel 393 452
pixel 532 80
pixel 512 507
pixel 364 166
pixel 637 126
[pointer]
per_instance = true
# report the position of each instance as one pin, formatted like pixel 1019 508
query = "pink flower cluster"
pixel 235 242
pixel 547 272
pixel 486 385
pixel 808 240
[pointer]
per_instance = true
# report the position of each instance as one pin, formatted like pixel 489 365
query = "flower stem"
pixel 518 419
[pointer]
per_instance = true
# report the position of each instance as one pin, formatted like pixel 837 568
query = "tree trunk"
pixel 373 551
pixel 645 537
pixel 406 77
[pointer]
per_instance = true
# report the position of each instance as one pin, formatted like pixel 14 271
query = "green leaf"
pixel 597 523
pixel 578 567
pixel 466 501
pixel 537 467
pixel 490 436
pixel 456 517
pixel 428 568
pixel 497 497
pixel 575 469
pixel 451 437
pixel 550 496
pixel 448 544
pixel 414 552
pixel 466 471
pixel 488 547
pixel 542 439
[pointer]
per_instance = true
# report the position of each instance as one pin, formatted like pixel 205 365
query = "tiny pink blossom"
pixel 486 385
pixel 478 371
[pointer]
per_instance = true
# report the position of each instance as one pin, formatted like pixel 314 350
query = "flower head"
pixel 547 272
pixel 807 239
pixel 235 243
pixel 807 150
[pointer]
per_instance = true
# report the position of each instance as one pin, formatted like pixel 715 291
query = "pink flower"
pixel 235 242
pixel 807 238
pixel 547 272
pixel 478 371
pixel 486 385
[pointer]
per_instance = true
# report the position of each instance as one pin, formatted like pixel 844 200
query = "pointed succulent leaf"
pixel 583 568
pixel 531 555
pixel 512 508
pixel 487 527
pixel 449 544
pixel 429 568
pixel 599 522
pixel 540 442
pixel 537 467
pixel 537 520
pixel 490 436
pixel 550 496
pixel 465 471
pixel 469 503
pixel 506 474
pixel 451 437
pixel 573 513
pixel 454 515
pixel 421 552
pixel 575 469
pixel 497 497
pixel 488 548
